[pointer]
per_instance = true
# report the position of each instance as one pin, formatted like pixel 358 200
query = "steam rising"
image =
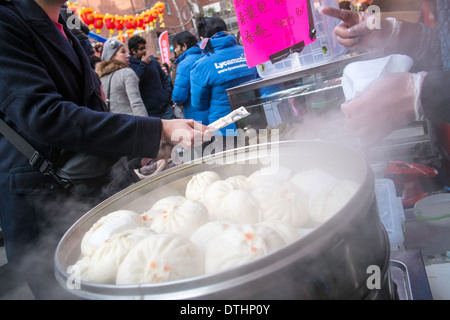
pixel 37 265
pixel 328 126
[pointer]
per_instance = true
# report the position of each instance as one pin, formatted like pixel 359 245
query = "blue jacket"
pixel 216 72
pixel 182 88
pixel 52 97
pixel 154 86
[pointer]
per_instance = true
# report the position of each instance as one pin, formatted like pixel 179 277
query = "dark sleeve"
pixel 436 96
pixel 139 68
pixel 164 78
pixel 422 44
pixel 166 83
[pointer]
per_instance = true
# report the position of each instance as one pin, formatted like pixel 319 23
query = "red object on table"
pixel 406 177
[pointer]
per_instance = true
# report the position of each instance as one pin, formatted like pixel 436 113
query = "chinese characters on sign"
pixel 269 26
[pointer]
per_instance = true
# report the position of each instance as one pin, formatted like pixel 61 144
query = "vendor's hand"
pixel 361 30
pixel 186 133
pixel 386 105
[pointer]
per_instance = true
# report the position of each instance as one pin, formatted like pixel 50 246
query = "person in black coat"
pixel 52 97
pixel 154 85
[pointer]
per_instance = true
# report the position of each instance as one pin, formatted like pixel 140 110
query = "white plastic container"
pixel 391 212
pixel 323 49
pixel 434 210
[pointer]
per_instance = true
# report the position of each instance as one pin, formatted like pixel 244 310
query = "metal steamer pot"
pixel 347 257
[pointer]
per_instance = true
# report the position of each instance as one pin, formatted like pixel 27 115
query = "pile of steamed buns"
pixel 220 223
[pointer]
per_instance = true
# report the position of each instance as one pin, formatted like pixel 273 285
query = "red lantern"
pixel 147 18
pixel 154 16
pixel 98 21
pixel 121 37
pixel 108 20
pixel 140 22
pixel 159 7
pixel 154 13
pixel 129 33
pixel 87 16
pixel 73 7
pixel 119 24
pixel 130 22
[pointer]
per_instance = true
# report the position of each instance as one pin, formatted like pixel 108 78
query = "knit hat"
pixel 110 48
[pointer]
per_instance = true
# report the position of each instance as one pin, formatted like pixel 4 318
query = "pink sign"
pixel 269 26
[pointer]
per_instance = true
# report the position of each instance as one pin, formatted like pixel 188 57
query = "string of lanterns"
pixel 356 5
pixel 127 24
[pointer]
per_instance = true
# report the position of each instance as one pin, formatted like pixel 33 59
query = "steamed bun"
pixel 239 182
pixel 269 175
pixel 239 206
pixel 182 216
pixel 160 257
pixel 203 234
pixel 232 247
pixel 107 226
pixel 228 245
pixel 106 259
pixel 80 268
pixel 326 203
pixel 285 203
pixel 303 232
pixel 276 233
pixel 159 207
pixel 312 181
pixel 214 195
pixel 196 186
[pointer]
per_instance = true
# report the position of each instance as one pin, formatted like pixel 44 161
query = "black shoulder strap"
pixel 108 100
pixel 35 159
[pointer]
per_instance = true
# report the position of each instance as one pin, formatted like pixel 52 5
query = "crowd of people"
pixel 115 101
pixel 160 87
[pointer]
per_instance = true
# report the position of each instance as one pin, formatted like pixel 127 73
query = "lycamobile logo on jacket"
pixel 231 64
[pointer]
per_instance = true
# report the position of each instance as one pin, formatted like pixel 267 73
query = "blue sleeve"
pixel 182 86
pixel 200 90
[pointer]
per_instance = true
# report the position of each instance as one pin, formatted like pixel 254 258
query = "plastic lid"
pixel 434 209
